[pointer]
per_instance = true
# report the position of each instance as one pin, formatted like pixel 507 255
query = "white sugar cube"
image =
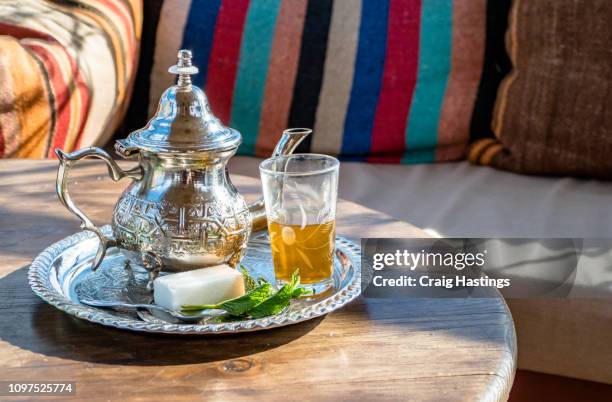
pixel 210 285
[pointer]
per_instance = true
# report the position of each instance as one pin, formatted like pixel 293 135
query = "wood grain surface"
pixel 425 349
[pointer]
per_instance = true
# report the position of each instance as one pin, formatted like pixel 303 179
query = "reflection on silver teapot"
pixel 181 211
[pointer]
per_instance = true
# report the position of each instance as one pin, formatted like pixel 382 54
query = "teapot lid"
pixel 183 122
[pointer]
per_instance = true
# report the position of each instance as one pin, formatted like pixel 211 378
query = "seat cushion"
pixel 66 71
pixel 567 337
pixel 462 200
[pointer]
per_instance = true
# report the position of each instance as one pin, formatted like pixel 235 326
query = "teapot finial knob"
pixel 183 68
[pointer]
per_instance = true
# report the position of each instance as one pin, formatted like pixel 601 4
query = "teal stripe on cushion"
pixel 435 50
pixel 252 71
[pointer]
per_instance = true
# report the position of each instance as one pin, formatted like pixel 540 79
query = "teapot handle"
pixel 114 171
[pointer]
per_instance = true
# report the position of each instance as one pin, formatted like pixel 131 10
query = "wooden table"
pixel 371 350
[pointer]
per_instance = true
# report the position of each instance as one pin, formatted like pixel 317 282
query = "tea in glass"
pixel 309 249
pixel 300 193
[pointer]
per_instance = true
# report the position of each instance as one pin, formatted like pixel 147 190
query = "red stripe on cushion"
pixel 59 89
pixel 23 32
pixel 79 98
pixel 399 81
pixel 83 89
pixel 72 99
pixel 127 24
pixel 224 57
pixel 1 143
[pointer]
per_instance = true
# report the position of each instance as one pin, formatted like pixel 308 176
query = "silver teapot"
pixel 181 210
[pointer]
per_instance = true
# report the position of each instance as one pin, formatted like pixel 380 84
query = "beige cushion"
pixel 569 337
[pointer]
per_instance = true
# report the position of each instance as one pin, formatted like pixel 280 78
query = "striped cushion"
pixel 66 69
pixel 385 81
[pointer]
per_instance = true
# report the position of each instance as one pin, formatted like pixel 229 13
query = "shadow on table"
pixel 31 324
pixel 23 232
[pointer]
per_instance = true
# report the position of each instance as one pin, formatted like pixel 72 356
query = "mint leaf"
pixel 239 305
pixel 277 302
pixel 299 292
pixel 259 302
pixel 249 282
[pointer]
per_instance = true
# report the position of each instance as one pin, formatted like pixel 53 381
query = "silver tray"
pixel 61 274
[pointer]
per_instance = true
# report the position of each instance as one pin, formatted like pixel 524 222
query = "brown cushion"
pixel 551 114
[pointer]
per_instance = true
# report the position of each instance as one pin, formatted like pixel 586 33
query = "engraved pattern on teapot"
pixel 203 226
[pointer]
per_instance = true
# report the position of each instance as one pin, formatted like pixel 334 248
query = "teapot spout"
pixel 288 142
